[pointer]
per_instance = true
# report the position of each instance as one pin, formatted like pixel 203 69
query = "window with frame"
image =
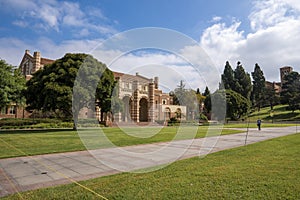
pixel 12 110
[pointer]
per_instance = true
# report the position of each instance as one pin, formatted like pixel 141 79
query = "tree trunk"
pixel 75 119
pixel 101 116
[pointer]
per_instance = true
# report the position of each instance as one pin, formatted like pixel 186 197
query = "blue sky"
pixel 263 32
pixel 189 17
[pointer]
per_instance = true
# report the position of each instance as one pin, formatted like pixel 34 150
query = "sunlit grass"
pixel 280 113
pixel 34 142
pixel 265 170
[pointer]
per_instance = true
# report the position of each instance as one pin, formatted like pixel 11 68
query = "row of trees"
pixel 239 93
pixel 74 80
pixel 243 94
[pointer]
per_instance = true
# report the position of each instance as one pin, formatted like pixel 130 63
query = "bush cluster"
pixel 12 123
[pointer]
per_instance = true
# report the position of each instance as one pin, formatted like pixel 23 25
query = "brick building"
pixel 143 100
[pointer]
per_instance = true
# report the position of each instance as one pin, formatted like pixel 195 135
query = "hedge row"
pixel 26 122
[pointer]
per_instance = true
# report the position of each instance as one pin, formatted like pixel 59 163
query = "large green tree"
pixel 271 97
pixel 69 84
pixel 227 103
pixel 237 105
pixel 12 84
pixel 291 90
pixel 243 84
pixel 227 78
pixel 259 87
pixel 215 105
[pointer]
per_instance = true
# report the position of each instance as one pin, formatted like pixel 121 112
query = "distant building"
pixel 30 64
pixel 144 101
pixel 13 111
pixel 274 85
pixel 284 71
pixel 277 86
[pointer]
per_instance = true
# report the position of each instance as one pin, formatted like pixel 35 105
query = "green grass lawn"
pixel 34 142
pixel 265 170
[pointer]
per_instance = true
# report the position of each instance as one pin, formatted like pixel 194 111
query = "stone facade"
pixel 30 64
pixel 13 111
pixel 274 85
pixel 284 71
pixel 144 101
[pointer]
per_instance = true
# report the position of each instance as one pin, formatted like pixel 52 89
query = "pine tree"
pixel 228 80
pixel 206 92
pixel 243 84
pixel 259 89
pixel 291 91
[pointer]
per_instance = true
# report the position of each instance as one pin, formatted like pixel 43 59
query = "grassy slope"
pixel 33 142
pixel 279 114
pixel 265 170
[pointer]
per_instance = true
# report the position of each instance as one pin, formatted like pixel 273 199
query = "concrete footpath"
pixel 32 172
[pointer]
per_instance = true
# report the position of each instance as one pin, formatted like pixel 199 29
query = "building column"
pixel 151 102
pixel 36 61
pixel 118 117
pixel 136 106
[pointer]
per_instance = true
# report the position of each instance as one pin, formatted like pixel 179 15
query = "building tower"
pixel 284 71
pixel 36 61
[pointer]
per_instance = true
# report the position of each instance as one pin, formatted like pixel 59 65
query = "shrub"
pixel 23 122
pixel 202 118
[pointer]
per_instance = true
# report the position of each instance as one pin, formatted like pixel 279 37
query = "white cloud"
pixel 54 14
pixel 20 23
pixel 50 15
pixel 271 12
pixel 272 44
pixel 221 42
pixel 216 19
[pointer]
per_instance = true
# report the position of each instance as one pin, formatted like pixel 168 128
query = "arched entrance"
pixel 143 111
pixel 127 109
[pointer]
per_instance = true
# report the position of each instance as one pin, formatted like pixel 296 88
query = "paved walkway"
pixel 27 173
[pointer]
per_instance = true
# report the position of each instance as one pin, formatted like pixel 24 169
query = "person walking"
pixel 259 124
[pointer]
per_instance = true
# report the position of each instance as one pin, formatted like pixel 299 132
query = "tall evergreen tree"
pixel 228 80
pixel 243 84
pixel 291 90
pixel 206 92
pixel 271 98
pixel 259 89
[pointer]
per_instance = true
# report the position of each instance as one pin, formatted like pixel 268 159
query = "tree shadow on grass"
pixel 285 116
